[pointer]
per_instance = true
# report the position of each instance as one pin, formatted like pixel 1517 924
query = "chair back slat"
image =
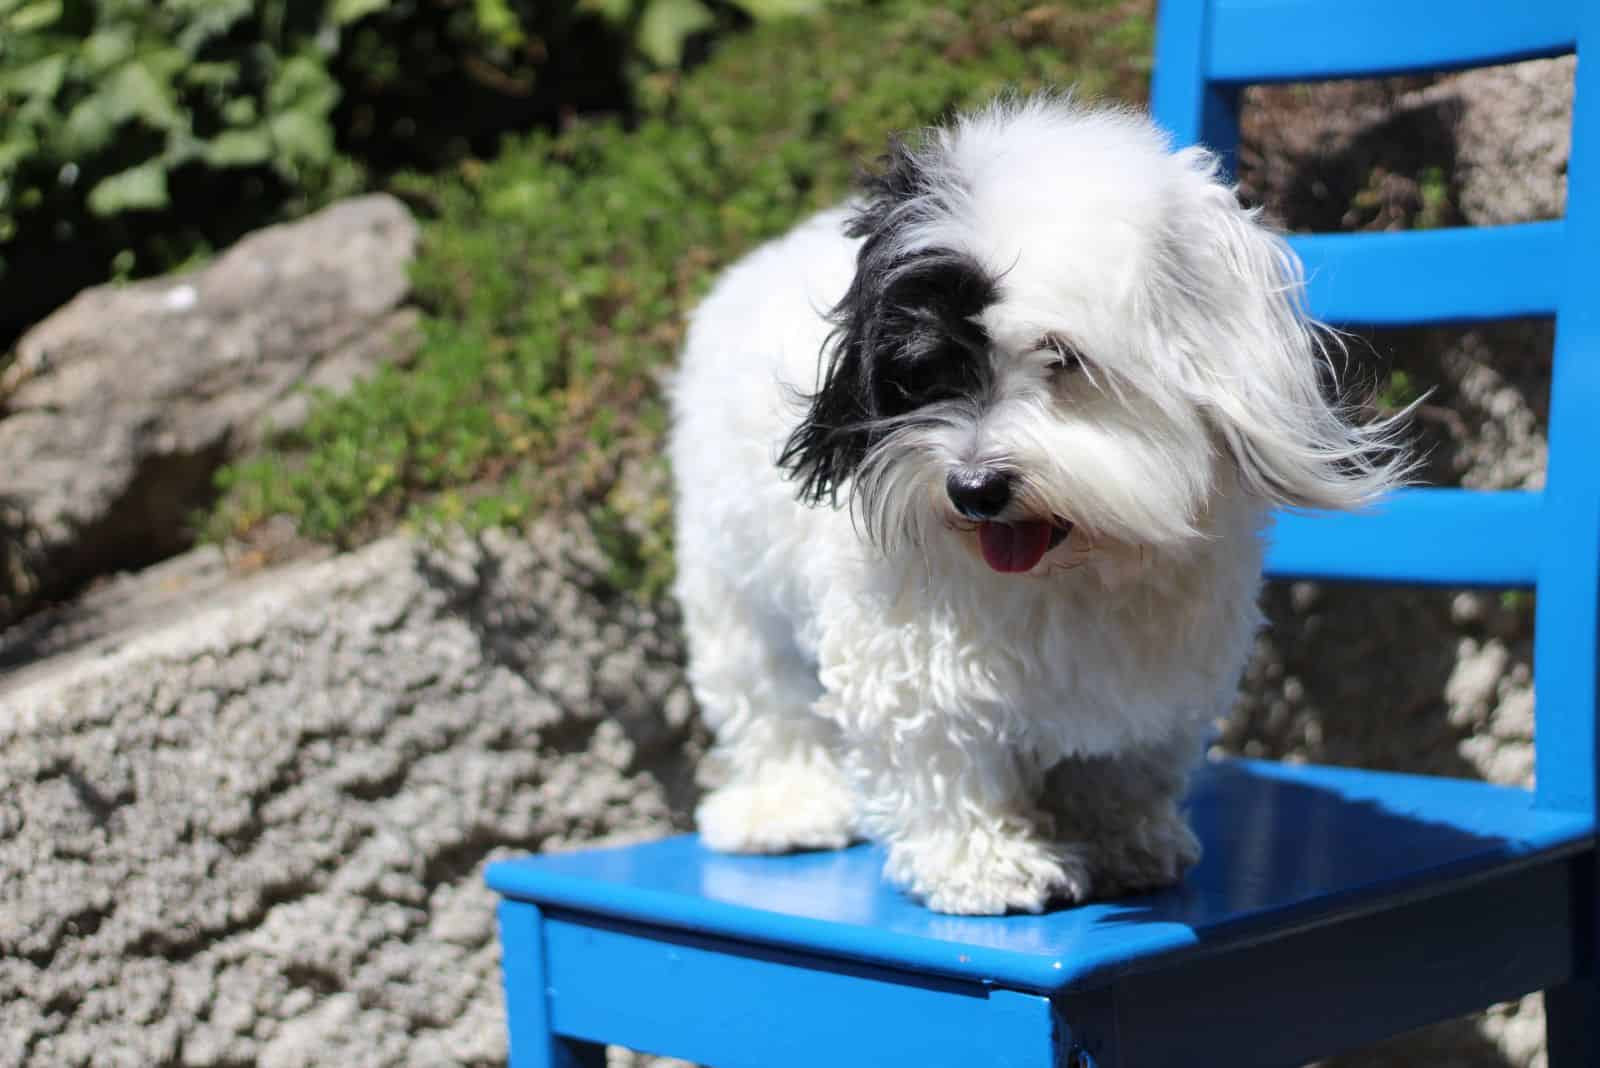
pixel 1255 41
pixel 1207 50
pixel 1567 616
pixel 1443 537
pixel 1432 276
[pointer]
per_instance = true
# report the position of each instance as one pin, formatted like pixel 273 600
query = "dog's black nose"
pixel 978 492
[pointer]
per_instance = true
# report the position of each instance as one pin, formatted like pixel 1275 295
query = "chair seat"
pixel 1286 847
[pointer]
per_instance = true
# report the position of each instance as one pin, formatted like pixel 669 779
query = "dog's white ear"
pixel 1256 364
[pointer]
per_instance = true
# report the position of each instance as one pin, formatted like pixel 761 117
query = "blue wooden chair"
pixel 1333 906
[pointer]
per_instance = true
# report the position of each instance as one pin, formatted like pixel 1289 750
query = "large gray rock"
pixel 1513 137
pixel 256 835
pixel 119 408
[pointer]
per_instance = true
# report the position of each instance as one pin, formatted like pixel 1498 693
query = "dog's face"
pixel 1061 337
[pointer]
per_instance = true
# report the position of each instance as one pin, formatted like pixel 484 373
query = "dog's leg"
pixel 1123 812
pixel 784 788
pixel 958 818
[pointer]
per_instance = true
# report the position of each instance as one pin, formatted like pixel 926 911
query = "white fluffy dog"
pixel 972 474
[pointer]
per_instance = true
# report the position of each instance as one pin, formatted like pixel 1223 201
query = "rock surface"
pixel 1513 137
pixel 120 407
pixel 256 835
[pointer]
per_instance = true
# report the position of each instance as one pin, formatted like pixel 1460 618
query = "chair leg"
pixel 533 1044
pixel 555 1052
pixel 570 1053
pixel 1572 1024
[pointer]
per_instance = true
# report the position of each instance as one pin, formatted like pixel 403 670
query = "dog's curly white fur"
pixel 971 478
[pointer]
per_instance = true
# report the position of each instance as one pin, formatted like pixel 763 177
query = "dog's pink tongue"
pixel 1014 547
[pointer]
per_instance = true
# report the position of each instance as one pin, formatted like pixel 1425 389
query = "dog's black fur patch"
pixel 904 336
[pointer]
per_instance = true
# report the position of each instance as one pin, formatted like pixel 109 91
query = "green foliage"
pixel 1397 392
pixel 136 134
pixel 106 105
pixel 1434 190
pixel 559 276
pixel 661 29
pixel 1516 601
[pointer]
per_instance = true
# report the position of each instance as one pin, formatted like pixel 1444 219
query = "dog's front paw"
pixel 985 874
pixel 781 807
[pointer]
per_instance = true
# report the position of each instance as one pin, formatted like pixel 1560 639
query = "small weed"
pixel 1516 600
pixel 1434 189
pixel 1397 392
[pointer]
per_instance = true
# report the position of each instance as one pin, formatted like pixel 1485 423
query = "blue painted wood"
pixel 1304 995
pixel 1433 276
pixel 1303 40
pixel 522 953
pixel 1286 847
pixel 1178 74
pixel 1193 110
pixel 1429 536
pixel 1567 624
pixel 733 1005
pixel 1565 632
pixel 1567 621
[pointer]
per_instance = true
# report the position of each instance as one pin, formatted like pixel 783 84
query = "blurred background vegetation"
pixel 582 169
pixel 136 134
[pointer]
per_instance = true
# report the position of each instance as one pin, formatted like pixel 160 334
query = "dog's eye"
pixel 1064 357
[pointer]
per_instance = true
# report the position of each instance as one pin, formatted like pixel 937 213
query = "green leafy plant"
pixel 137 134
pixel 660 29
pixel 109 109
pixel 1397 391
pixel 1437 207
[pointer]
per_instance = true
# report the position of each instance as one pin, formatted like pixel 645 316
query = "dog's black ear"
pixel 836 434
pixel 903 334
pixel 841 423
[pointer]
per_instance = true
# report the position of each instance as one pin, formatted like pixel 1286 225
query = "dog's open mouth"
pixel 1012 548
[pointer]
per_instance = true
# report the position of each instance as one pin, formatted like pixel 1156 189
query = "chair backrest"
pixel 1206 52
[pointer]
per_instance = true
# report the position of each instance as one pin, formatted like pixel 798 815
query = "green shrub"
pixel 113 110
pixel 136 134
pixel 558 276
